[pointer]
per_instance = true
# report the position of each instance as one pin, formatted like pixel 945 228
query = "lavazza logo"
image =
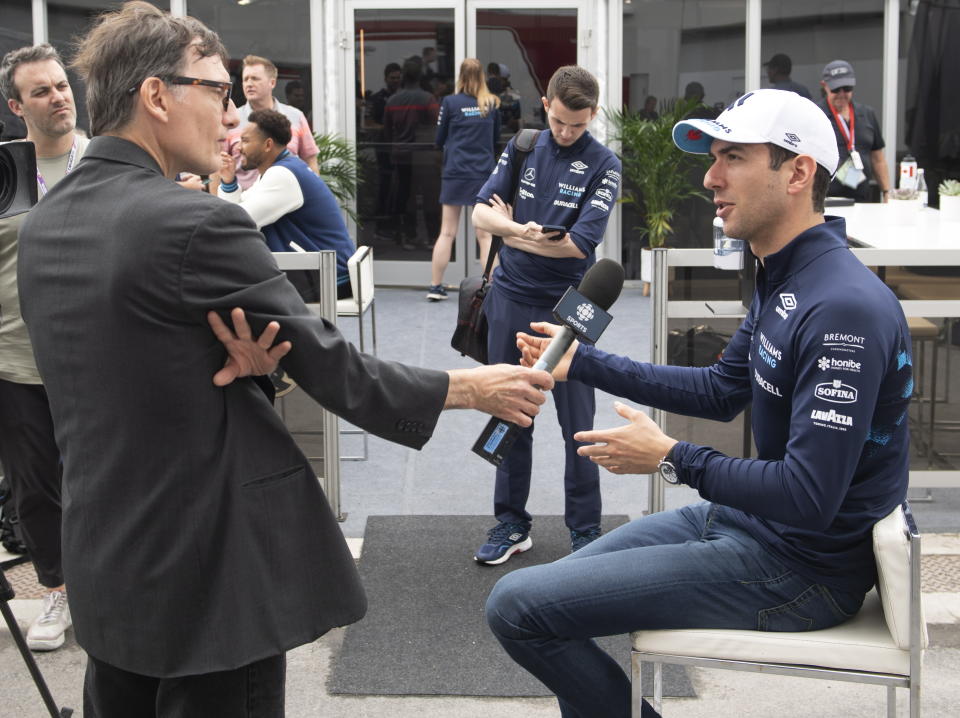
pixel 836 392
pixel 585 312
pixel 824 418
pixel 788 302
pixel 826 363
pixel 578 167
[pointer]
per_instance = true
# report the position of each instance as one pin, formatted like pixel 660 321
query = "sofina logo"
pixel 605 194
pixel 836 392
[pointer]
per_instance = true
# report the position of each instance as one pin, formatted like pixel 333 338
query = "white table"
pixel 881 226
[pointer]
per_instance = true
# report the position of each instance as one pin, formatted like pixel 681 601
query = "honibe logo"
pixel 585 312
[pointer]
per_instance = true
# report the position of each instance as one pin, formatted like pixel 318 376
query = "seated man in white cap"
pixel 783 540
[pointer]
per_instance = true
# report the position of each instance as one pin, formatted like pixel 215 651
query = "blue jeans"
pixel 688 568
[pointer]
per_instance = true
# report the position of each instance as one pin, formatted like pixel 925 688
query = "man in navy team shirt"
pixel 783 542
pixel 569 180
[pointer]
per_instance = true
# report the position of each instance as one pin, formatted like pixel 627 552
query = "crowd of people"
pixel 156 483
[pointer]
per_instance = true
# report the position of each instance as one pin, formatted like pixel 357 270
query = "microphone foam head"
pixel 602 283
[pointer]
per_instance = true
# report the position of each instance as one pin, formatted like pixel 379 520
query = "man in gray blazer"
pixel 197 544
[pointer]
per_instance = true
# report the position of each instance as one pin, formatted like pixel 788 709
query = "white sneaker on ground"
pixel 46 633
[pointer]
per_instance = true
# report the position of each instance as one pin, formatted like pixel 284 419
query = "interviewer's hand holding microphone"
pixel 635 448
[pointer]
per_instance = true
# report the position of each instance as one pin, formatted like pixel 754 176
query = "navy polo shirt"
pixel 575 187
pixel 467 136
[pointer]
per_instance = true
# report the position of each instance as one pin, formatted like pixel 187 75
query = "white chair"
pixel 883 644
pixel 360 268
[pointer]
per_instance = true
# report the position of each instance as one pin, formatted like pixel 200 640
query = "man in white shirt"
pixel 294 208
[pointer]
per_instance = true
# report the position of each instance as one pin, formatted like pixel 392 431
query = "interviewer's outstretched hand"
pixel 632 449
pixel 532 347
pixel 508 392
pixel 246 356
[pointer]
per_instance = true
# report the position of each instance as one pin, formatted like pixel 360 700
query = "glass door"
pixel 405 58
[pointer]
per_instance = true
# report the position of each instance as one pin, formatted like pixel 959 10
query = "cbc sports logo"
pixel 585 312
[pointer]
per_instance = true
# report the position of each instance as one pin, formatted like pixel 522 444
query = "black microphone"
pixel 583 314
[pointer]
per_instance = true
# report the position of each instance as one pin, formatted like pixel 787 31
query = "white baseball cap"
pixel 780 117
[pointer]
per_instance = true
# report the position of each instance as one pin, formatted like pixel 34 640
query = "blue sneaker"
pixel 579 539
pixel 436 293
pixel 504 540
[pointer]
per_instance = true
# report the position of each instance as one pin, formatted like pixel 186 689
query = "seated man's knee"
pixel 506 606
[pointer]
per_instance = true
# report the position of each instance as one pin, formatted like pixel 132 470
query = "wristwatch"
pixel 667 469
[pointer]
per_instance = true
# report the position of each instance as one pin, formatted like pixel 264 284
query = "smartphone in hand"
pixel 547 228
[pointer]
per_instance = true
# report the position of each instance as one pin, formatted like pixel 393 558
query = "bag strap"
pixel 523 143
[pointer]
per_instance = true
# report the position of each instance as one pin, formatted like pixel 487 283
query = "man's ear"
pixel 155 98
pixel 16 107
pixel 802 174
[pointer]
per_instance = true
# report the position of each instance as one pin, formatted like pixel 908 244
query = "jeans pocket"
pixel 812 609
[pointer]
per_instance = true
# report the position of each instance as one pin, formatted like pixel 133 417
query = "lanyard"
pixel 847 136
pixel 70 160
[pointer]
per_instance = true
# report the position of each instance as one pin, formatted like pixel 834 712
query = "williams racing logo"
pixel 836 392
pixel 831 419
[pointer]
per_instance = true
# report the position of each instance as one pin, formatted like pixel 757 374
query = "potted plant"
pixel 903 205
pixel 949 191
pixel 656 175
pixel 339 168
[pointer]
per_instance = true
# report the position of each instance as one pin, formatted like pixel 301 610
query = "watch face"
pixel 668 472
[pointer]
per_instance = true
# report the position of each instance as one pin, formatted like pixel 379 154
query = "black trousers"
pixel 31 462
pixel 252 691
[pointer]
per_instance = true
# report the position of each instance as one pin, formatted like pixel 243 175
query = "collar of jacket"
pixel 117 149
pixel 573 149
pixel 804 248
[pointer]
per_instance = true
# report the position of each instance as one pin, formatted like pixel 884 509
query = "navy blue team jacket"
pixel 575 187
pixel 824 357
pixel 466 136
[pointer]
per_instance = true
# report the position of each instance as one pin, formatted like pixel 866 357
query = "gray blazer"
pixel 196 537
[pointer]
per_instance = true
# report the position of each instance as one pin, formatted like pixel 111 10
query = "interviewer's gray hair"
pixel 127 46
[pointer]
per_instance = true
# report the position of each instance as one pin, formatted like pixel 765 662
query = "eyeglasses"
pixel 224 87
pixel 845 88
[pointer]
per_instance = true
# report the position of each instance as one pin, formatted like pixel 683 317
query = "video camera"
pixel 18 178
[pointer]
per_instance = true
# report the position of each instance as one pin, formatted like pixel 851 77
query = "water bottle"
pixel 908 172
pixel 922 187
pixel 727 252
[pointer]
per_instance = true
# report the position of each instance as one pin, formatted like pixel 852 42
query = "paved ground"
pixel 445 479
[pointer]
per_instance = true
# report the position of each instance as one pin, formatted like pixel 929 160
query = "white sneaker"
pixel 46 632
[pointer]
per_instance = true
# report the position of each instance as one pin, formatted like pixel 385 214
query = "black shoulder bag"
pixel 470 336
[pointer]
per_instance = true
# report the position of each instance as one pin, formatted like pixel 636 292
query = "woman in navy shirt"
pixel 467 130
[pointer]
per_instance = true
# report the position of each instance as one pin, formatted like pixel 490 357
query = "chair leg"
pixel 636 685
pixel 373 324
pixel 658 687
pixel 891 702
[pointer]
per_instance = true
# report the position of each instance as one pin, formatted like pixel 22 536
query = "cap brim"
pixel 834 83
pixel 696 136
